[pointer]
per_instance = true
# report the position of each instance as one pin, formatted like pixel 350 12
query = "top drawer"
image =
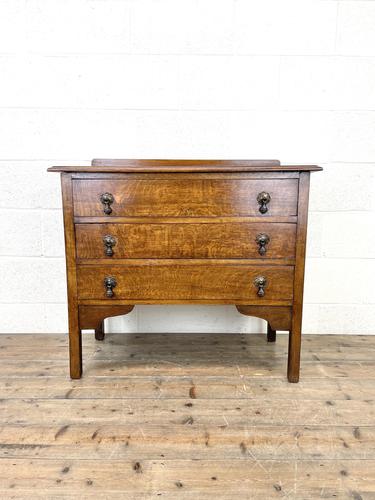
pixel 185 197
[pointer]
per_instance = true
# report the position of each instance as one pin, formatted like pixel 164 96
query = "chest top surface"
pixel 103 165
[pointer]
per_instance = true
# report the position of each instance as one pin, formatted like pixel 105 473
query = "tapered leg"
pixel 75 341
pixel 75 352
pixel 294 353
pixel 99 331
pixel 299 272
pixel 271 334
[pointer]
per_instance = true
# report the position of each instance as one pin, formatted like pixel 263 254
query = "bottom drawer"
pixel 169 282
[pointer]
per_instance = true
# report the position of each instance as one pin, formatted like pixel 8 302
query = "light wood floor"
pixel 187 416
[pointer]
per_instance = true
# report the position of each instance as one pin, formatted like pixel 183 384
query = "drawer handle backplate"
pixel 262 240
pixel 107 199
pixel 260 282
pixel 109 284
pixel 263 199
pixel 109 242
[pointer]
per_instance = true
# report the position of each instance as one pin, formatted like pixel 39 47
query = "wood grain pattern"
pixel 172 412
pixel 278 317
pixel 259 367
pixel 100 162
pixel 162 423
pixel 187 281
pixel 183 220
pixel 121 441
pixel 153 175
pixel 92 316
pixel 75 341
pixel 209 479
pixel 182 165
pixel 185 198
pixel 294 351
pixel 195 241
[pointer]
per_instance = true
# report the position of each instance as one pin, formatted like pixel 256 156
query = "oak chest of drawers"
pixel 185 232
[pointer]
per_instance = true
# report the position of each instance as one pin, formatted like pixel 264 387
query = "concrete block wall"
pixel 293 80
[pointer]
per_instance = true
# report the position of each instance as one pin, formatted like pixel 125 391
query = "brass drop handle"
pixel 107 199
pixel 109 242
pixel 109 284
pixel 260 282
pixel 263 199
pixel 262 240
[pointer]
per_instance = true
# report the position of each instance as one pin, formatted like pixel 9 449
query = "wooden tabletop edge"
pixel 185 168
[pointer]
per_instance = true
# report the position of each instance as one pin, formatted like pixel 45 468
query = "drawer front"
pixel 170 282
pixel 185 197
pixel 237 240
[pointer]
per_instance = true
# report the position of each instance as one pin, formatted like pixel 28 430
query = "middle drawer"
pixel 224 240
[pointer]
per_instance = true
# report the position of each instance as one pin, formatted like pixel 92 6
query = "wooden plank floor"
pixel 187 416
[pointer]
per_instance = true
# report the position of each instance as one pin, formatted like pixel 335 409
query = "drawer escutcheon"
pixel 263 199
pixel 262 240
pixel 107 199
pixel 109 284
pixel 260 282
pixel 109 242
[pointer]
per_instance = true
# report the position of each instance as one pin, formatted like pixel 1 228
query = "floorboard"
pixel 190 416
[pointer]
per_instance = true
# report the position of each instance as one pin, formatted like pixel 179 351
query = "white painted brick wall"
pixel 293 80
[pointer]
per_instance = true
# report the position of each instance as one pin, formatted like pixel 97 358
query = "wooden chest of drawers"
pixel 185 232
